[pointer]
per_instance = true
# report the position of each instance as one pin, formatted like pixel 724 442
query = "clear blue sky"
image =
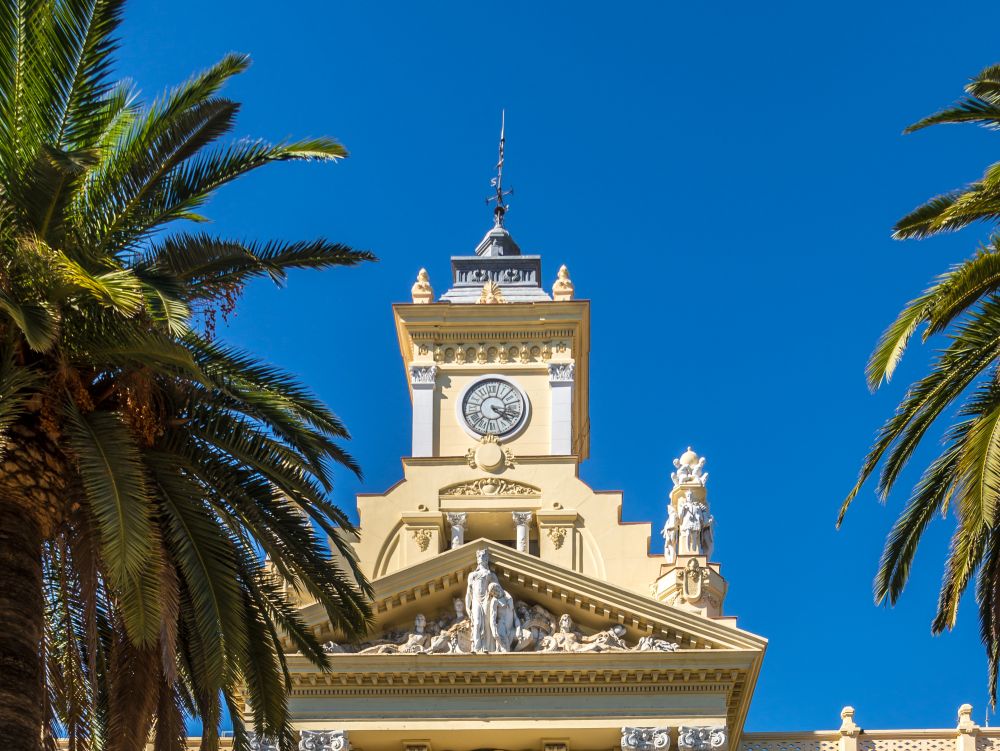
pixel 721 179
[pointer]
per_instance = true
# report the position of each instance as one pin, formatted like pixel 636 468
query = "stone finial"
pixel 847 725
pixel 491 294
pixel 422 291
pixel 563 287
pixel 689 469
pixel 965 723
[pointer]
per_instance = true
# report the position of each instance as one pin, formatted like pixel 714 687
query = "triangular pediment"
pixel 713 658
pixel 429 587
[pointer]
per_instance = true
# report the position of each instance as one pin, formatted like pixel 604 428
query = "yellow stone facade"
pixel 613 647
pixel 499 382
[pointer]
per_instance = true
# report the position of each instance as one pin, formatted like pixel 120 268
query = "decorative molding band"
pixel 421 375
pixel 324 740
pixel 702 738
pixel 491 486
pixel 561 372
pixel 645 739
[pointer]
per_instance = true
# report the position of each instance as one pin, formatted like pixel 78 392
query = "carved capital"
pixel 259 743
pixel 457 518
pixel 561 372
pixel 645 739
pixel 423 375
pixel 701 738
pixel 324 740
pixel 522 518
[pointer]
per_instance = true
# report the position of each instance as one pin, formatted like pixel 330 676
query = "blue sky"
pixel 720 179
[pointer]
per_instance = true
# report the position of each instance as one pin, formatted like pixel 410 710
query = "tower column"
pixel 561 390
pixel 422 382
pixel 522 520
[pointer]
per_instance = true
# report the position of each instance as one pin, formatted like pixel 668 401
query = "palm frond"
pixel 114 479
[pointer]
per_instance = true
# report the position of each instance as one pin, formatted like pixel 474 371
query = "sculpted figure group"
pixel 490 620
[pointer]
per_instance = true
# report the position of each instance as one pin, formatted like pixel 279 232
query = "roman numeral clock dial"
pixel 493 405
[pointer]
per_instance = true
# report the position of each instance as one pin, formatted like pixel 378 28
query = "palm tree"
pixel 963 306
pixel 146 467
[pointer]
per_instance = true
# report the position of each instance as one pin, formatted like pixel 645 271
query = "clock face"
pixel 494 405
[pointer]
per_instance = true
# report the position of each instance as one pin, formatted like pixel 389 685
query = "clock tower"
pixel 497 356
pixel 512 607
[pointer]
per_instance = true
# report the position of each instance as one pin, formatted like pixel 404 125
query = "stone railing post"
pixel 967 730
pixel 849 731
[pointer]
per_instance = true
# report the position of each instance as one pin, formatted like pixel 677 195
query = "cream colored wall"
pixel 595 542
pixel 452 440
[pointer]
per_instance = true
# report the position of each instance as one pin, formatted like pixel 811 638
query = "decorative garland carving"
pixel 557 535
pixel 490 486
pixel 423 538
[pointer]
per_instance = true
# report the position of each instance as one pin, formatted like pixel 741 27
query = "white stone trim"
pixel 324 740
pixel 561 381
pixel 422 382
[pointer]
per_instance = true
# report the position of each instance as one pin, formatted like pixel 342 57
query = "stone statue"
pixel 416 641
pixel 609 640
pixel 653 644
pixel 689 469
pixel 566 639
pixel 695 526
pixel 476 605
pixel 670 535
pixel 504 623
pixel 537 623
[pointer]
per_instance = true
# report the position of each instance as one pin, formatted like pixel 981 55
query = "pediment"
pixel 430 587
pixel 714 660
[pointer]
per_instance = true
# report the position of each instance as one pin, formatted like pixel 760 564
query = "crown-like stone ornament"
pixel 491 294
pixel 324 740
pixel 422 292
pixel 645 739
pixel 689 468
pixel 562 290
pixel 702 738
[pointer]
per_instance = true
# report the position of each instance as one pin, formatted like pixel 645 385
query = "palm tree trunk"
pixel 21 623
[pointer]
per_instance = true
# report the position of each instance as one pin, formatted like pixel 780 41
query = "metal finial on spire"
pixel 497 182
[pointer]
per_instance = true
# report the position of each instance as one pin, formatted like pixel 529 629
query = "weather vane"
pixel 497 182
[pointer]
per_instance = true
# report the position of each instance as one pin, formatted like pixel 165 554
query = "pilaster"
pixel 422 536
pixel 557 539
pixel 561 377
pixel 423 380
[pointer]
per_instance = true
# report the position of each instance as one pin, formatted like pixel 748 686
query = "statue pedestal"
pixel 692 583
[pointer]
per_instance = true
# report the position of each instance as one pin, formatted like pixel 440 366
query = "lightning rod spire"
pixel 497 182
